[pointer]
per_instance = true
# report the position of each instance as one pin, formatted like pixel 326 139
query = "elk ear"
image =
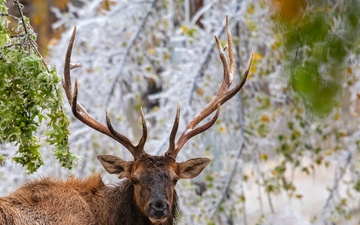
pixel 115 165
pixel 191 168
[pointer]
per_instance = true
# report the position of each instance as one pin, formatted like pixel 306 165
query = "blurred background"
pixel 285 150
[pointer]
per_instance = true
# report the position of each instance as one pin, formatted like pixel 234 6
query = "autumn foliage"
pixel 288 10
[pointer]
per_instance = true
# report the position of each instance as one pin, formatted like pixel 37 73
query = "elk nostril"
pixel 159 208
pixel 158 205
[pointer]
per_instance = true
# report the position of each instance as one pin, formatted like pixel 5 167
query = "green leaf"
pixel 30 95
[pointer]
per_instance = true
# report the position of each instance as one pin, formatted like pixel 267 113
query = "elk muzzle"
pixel 158 210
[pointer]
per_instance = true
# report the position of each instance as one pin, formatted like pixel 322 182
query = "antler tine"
pixel 119 137
pixel 142 141
pixel 223 95
pixel 231 51
pixel 67 68
pixel 173 132
pixel 81 114
pixel 135 150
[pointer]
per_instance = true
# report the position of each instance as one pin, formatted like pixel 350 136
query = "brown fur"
pixel 146 194
pixel 81 202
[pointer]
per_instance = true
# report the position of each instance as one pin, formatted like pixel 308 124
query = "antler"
pixel 223 95
pixel 81 114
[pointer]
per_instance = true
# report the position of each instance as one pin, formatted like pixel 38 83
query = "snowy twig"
pixel 339 174
pixel 202 11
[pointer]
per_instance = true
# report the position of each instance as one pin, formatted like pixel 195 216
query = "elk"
pixel 147 193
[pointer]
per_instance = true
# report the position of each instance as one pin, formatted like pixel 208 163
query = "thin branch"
pixel 260 198
pixel 129 46
pixel 262 179
pixel 270 203
pixel 33 44
pixel 18 35
pixel 12 45
pixel 228 181
pixel 339 174
pixel 20 7
pixel 202 10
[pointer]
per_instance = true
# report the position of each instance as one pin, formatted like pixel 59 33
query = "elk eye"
pixel 175 180
pixel 134 180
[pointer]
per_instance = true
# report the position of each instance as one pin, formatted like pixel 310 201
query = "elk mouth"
pixel 157 220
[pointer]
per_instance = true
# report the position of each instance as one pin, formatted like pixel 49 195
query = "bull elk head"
pixel 154 177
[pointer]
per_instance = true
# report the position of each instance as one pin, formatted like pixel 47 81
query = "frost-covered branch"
pixel 339 174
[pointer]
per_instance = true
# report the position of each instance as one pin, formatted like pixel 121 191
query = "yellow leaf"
pixel 337 116
pixel 200 92
pixel 298 196
pixel 263 156
pixel 265 118
pixel 151 51
pixel 156 109
pixel 251 9
pixel 184 29
pixel 105 5
pixel 299 110
pixel 343 202
pixel 221 129
pixel 342 133
pixel 166 56
pixel 253 69
pixel 245 177
pixel 242 198
pixel 257 55
pixel 208 98
pixel 297 133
